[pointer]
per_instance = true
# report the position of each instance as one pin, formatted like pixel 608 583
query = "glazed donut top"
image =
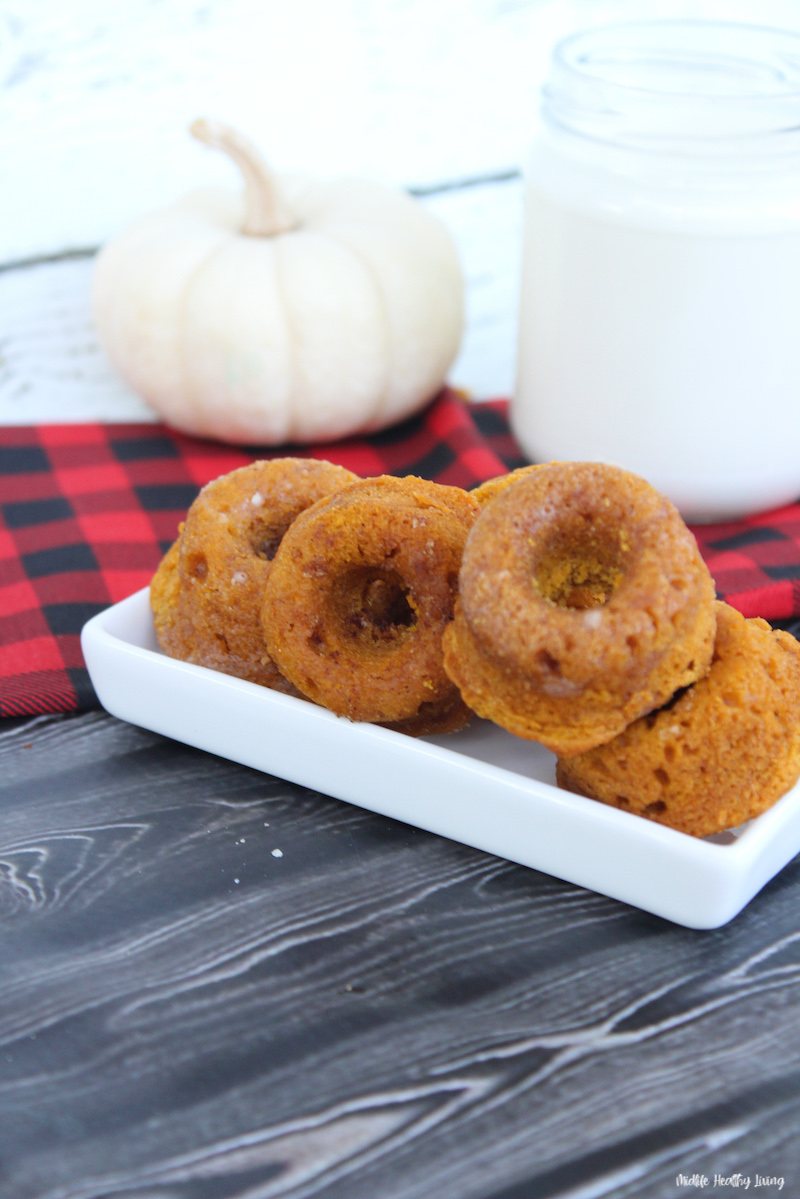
pixel 579 571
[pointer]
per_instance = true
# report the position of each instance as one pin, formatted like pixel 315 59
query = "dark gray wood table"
pixel 377 1013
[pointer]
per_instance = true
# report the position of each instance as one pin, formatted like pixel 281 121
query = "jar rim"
pixel 726 46
pixel 679 85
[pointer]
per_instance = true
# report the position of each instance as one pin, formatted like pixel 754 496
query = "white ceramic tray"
pixel 481 786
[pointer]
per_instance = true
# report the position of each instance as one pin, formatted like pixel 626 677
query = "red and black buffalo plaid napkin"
pixel 86 511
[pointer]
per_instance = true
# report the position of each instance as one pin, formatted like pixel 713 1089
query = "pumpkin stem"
pixel 264 210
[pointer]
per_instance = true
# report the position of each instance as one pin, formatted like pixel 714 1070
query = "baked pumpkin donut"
pixel 723 752
pixel 359 595
pixel 206 594
pixel 584 603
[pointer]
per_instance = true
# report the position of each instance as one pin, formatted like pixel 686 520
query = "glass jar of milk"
pixel 660 306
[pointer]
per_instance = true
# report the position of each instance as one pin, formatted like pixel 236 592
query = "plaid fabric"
pixel 756 563
pixel 86 512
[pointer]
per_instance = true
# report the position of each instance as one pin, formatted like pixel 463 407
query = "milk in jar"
pixel 660 302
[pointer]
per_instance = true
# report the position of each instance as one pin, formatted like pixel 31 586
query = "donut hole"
pixel 581 566
pixel 266 536
pixel 375 606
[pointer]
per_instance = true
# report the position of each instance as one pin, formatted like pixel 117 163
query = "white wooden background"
pixel 95 99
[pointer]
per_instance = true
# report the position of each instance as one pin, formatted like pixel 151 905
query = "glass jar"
pixel 660 303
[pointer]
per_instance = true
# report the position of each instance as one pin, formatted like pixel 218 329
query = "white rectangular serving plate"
pixel 481 786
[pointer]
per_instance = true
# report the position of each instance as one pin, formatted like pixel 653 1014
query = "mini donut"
pixel 723 752
pixel 359 594
pixel 584 603
pixel 206 594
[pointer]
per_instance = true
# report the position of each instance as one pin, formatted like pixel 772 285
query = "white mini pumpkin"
pixel 301 310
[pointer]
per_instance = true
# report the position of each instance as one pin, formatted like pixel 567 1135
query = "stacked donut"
pixel 587 620
pixel 297 575
pixel 566 602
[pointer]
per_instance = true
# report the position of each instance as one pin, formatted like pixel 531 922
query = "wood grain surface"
pixel 218 985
